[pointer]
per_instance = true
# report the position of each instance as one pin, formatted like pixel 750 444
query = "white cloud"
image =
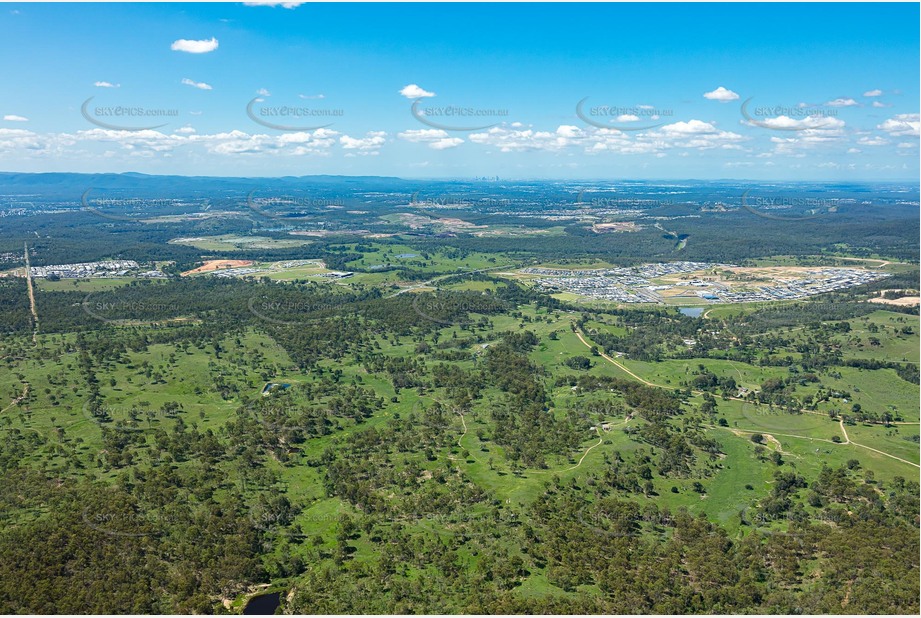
pixel 842 102
pixel 262 92
pixel 412 91
pixel 106 85
pixel 723 95
pixel 853 150
pixel 627 118
pixel 422 135
pixel 195 47
pixel 693 134
pixel 312 96
pixel 273 3
pixel 876 92
pixel 15 118
pixel 690 135
pixel 291 144
pixel 436 139
pixel 902 124
pixel 569 131
pixel 194 84
pixel 370 144
pixel 872 141
pixel 137 143
pixel 446 143
pixel 880 104
pixel 689 128
pixel 822 123
pixel 21 142
pixel 809 135
pixel 154 143
pixel 517 140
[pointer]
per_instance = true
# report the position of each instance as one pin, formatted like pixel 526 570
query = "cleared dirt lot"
pixel 211 265
pixel 905 301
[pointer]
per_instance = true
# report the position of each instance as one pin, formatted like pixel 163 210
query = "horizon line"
pixel 487 178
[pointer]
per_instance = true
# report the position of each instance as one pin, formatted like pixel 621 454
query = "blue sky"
pixel 832 90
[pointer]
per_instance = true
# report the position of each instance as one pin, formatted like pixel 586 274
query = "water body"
pixel 272 385
pixel 263 605
pixel 408 255
pixel 691 312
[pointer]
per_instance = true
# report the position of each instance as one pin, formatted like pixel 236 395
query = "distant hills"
pixel 72 185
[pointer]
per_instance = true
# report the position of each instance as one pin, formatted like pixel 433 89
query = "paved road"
pixel 430 282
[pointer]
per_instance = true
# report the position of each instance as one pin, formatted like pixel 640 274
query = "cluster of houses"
pixel 824 280
pixel 634 285
pixel 86 270
pixel 254 270
pixel 631 275
pixel 625 285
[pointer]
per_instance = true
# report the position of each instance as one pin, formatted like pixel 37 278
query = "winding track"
pixel 428 284
pixel 17 400
pixel 578 334
pixel 847 440
pixel 581 459
pixel 464 423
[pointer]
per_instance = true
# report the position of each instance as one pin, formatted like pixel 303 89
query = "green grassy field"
pixel 82 285
pixel 231 242
pixel 211 381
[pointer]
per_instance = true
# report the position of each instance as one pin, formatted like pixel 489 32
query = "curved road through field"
pixel 847 439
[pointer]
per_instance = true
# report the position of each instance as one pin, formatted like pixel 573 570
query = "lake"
pixel 691 312
pixel 263 605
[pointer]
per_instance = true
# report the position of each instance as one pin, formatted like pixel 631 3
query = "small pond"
pixel 263 605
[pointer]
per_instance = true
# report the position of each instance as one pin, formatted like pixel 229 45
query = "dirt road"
pixel 29 286
pixel 847 440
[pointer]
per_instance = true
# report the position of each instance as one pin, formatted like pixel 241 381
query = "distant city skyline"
pixel 808 92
